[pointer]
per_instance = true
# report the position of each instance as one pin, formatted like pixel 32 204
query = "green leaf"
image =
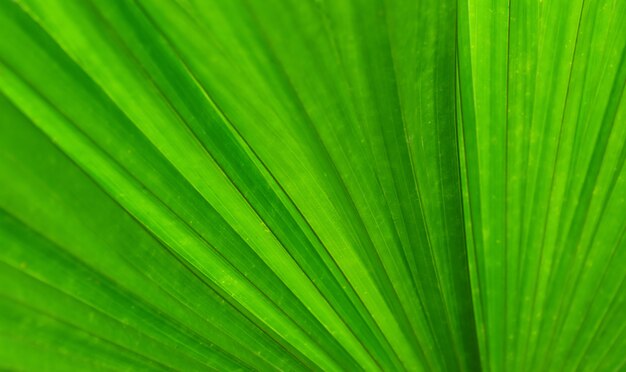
pixel 312 185
pixel 542 117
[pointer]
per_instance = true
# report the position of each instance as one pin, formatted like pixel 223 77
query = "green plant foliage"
pixel 543 121
pixel 312 185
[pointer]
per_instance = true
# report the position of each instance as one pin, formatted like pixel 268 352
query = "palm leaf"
pixel 388 184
